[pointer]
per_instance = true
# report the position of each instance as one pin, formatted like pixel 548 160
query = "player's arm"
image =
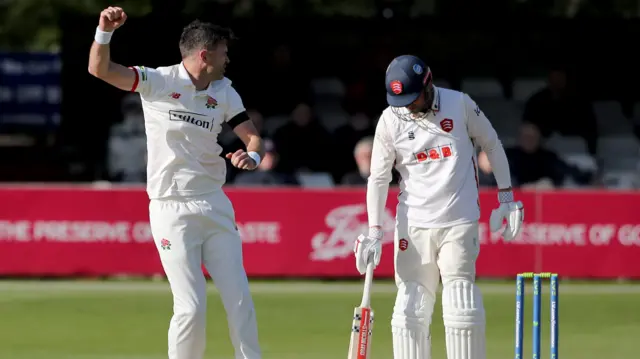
pixel 237 118
pixel 482 132
pixel 139 79
pixel 382 159
pixel 369 247
pixel 100 64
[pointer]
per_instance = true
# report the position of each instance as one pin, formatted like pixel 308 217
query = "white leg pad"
pixel 464 320
pixel 410 322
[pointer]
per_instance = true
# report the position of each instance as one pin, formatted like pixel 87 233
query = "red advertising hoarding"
pixel 77 231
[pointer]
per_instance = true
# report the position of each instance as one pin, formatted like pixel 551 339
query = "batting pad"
pixel 410 322
pixel 464 320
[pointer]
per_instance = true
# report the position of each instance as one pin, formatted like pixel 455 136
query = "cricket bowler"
pixel 430 135
pixel 192 220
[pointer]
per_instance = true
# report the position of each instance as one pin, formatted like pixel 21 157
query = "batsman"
pixel 430 135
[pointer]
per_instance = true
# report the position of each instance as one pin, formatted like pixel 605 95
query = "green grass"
pixel 128 320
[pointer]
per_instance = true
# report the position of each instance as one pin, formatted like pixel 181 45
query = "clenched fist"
pixel 240 159
pixel 112 18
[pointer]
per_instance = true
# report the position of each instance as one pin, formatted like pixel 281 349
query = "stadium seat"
pixel 506 116
pixel 618 146
pixel 610 118
pixel 328 87
pixel 314 180
pixel 273 123
pixel 524 88
pixel 333 118
pixel 583 161
pixel 567 145
pixel 623 180
pixel 482 88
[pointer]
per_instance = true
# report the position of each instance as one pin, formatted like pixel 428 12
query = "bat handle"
pixel 368 279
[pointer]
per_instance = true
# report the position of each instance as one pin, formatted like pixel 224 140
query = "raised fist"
pixel 112 18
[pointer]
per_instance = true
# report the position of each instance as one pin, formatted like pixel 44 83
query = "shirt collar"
pixel 435 106
pixel 214 86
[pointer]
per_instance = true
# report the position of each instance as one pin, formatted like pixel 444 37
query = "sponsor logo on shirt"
pixel 202 121
pixel 433 154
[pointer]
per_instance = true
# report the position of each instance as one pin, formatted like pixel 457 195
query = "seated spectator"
pixel 127 149
pixel 531 164
pixel 303 144
pixel 558 108
pixel 265 174
pixel 362 155
pixel 231 142
pixel 234 143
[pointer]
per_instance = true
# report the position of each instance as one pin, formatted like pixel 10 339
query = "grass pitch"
pixel 301 320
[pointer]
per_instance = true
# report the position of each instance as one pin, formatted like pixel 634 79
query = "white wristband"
pixel 505 197
pixel 375 233
pixel 103 37
pixel 254 156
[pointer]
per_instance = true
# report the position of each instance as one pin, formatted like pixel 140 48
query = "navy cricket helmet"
pixel 407 76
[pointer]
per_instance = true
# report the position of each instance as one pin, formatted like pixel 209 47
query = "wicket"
pixel 537 313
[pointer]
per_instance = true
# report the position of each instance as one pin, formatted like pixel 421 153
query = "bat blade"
pixel 361 333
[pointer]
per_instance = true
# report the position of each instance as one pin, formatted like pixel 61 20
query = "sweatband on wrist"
pixel 505 197
pixel 103 37
pixel 254 156
pixel 375 233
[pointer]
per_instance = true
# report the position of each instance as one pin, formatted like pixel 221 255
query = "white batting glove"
pixel 512 212
pixel 368 248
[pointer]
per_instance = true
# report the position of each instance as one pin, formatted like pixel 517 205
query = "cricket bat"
pixel 361 330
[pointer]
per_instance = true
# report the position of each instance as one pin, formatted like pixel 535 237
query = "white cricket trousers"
pixel 189 233
pixel 425 255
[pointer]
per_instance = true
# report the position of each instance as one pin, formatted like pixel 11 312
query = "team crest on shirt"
pixel 211 102
pixel 165 244
pixel 446 125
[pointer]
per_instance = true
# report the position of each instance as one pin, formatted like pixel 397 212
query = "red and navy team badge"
pixel 403 244
pixel 211 102
pixel 396 87
pixel 446 125
pixel 175 95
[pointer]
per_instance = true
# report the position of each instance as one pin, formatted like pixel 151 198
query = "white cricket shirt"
pixel 436 159
pixel 182 127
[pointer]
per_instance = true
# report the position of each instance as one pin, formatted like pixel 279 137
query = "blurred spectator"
pixel 346 137
pixel 303 144
pixel 234 143
pixel 485 172
pixel 558 108
pixel 533 165
pixel 265 174
pixel 362 155
pixel 127 156
pixel 231 142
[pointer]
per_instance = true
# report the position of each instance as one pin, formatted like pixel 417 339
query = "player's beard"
pixel 221 71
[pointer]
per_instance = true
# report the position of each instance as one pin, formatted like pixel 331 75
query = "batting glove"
pixel 512 212
pixel 368 248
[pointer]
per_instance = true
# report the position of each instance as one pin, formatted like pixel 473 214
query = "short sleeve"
pixel 149 82
pixel 236 113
